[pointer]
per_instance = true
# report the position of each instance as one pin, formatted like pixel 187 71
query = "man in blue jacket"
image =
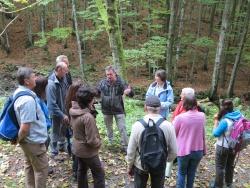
pixel 56 93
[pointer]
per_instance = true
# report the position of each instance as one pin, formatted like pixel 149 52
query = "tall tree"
pixel 220 49
pixel 239 52
pixel 171 37
pixel 180 31
pixel 111 20
pixel 78 40
pixel 210 31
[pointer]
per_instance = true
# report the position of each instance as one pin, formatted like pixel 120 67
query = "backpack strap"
pixel 24 93
pixel 159 122
pixel 143 122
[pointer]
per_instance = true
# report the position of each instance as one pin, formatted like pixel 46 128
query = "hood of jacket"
pixel 76 110
pixel 235 115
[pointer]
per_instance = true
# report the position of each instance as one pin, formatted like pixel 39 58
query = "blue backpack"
pixel 9 126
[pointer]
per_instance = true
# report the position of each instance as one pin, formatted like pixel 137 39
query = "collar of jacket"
pixel 117 82
pixel 164 87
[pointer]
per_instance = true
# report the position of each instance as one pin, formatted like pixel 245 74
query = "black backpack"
pixel 153 146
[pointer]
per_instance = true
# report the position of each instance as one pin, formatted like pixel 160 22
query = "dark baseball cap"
pixel 153 101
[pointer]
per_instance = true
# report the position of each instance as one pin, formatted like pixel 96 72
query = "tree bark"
pixel 195 51
pixel 178 45
pixel 29 28
pixel 220 49
pixel 239 53
pixel 225 58
pixel 115 39
pixel 171 37
pixel 77 38
pixel 211 26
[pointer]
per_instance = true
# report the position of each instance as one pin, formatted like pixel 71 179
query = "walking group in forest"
pixel 60 116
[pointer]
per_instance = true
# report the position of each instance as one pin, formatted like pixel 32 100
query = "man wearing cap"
pixel 152 109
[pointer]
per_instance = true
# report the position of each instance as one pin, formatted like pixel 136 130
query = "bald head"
pixel 62 58
pixel 61 69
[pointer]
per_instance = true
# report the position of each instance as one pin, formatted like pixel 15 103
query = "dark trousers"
pixel 74 165
pixel 97 171
pixel 157 178
pixel 224 162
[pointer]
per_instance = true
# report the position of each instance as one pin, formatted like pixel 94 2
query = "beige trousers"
pixel 36 165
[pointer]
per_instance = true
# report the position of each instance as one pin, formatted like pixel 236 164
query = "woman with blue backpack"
pixel 225 156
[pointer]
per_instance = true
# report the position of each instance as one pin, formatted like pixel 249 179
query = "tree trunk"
pixel 195 48
pixel 239 52
pixel 43 23
pixel 171 37
pixel 178 45
pixel 220 49
pixel 168 16
pixel 77 38
pixel 149 20
pixel 29 28
pixel 225 58
pixel 211 26
pixel 111 21
pixel 65 7
pixel 5 38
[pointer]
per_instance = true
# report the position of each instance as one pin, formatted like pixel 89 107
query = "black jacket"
pixel 111 96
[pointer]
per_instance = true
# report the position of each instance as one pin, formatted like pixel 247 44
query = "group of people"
pixel 60 109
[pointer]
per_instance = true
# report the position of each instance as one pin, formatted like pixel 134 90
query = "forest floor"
pixel 12 169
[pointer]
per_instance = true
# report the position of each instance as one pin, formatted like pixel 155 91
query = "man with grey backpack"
pixel 151 144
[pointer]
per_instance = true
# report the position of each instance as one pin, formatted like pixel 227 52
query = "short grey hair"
pixel 154 110
pixel 62 58
pixel 111 67
pixel 23 73
pixel 188 92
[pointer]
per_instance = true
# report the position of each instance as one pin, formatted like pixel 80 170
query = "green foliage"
pixel 103 12
pixel 152 52
pixel 2 101
pixel 41 42
pixel 204 42
pixel 93 34
pixel 207 2
pixel 7 4
pixel 61 33
pixel 46 2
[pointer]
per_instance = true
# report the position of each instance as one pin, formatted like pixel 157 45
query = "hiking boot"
pixel 50 170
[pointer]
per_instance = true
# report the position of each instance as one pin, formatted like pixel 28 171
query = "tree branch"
pixel 15 11
pixel 8 25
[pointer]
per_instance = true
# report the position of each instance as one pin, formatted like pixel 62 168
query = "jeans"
pixel 157 178
pixel 224 162
pixel 120 122
pixel 97 171
pixel 187 166
pixel 36 165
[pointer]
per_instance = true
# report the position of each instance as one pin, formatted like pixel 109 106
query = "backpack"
pixel 9 126
pixel 240 135
pixel 153 147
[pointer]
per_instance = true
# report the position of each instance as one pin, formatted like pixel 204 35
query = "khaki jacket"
pixel 86 138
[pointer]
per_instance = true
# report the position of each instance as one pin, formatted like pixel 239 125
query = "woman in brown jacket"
pixel 86 139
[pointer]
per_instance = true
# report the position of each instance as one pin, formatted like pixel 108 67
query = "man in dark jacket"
pixel 112 89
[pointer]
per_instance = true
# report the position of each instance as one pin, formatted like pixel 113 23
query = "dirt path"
pixel 12 173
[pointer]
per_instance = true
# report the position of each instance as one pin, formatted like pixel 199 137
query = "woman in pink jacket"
pixel 190 134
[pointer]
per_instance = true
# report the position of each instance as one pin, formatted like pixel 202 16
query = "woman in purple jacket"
pixel 190 134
